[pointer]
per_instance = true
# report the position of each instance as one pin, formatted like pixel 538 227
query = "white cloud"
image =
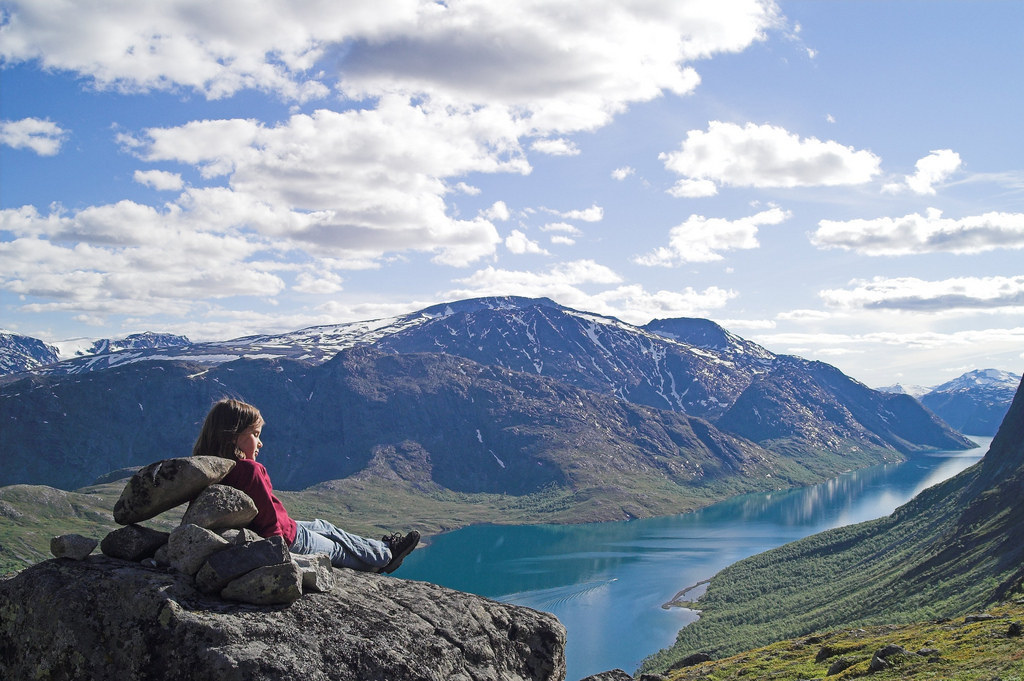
pixel 593 214
pixel 467 189
pixel 556 147
pixel 560 277
pixel 159 179
pixel 358 186
pixel 931 170
pixel 764 156
pixel 561 227
pixel 497 211
pixel 622 173
pixel 570 65
pixel 693 189
pixel 519 243
pixel 635 305
pixel 318 282
pixel 701 239
pixel 918 295
pixel 44 137
pixel 357 182
pixel 126 258
pixel 216 49
pixel 563 240
pixel 568 283
pixel 929 233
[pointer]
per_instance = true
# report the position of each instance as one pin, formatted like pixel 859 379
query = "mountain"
pixel 955 548
pixel 975 402
pixel 23 353
pixel 137 341
pixel 808 411
pixel 900 389
pixel 19 354
pixel 436 421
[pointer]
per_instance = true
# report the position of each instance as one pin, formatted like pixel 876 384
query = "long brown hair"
pixel 227 419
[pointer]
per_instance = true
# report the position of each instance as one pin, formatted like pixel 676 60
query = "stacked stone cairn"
pixel 211 544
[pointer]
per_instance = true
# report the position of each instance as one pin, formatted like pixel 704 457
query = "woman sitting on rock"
pixel 232 431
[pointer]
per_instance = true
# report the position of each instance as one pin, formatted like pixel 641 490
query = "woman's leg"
pixel 344 548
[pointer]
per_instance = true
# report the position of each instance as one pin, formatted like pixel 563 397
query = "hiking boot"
pixel 400 548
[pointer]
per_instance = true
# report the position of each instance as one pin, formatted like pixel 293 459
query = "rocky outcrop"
pixel 105 618
pixel 211 600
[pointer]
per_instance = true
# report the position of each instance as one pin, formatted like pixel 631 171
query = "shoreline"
pixel 680 600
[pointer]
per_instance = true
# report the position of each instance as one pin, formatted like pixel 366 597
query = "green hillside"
pixel 979 647
pixel 955 548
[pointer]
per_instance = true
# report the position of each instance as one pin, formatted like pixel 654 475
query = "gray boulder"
pixel 189 546
pixel 133 542
pixel 235 536
pixel 228 565
pixel 73 546
pixel 162 485
pixel 317 572
pixel 613 675
pixel 219 507
pixel 279 584
pixel 370 627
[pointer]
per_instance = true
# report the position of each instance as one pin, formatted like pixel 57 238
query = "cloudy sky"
pixel 838 180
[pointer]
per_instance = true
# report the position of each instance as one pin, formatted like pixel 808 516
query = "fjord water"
pixel 607 582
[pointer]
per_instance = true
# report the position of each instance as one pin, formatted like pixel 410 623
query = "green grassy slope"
pixel 978 650
pixel 956 547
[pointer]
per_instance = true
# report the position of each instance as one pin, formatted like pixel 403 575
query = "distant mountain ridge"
pixel 811 418
pixel 147 340
pixel 438 422
pixel 975 402
pixel 20 353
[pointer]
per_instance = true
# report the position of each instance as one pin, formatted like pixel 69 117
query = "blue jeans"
pixel 345 549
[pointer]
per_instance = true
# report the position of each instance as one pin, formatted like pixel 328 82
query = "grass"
pixel 952 649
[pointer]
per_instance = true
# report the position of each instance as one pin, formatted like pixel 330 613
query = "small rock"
pixel 982 617
pixel 189 546
pixel 161 556
pixel 133 542
pixel 691 660
pixel 613 675
pixel 268 585
pixel 236 536
pixel 1015 629
pixel 73 546
pixel 841 663
pixel 220 507
pixel 880 660
pixel 317 572
pixel 162 485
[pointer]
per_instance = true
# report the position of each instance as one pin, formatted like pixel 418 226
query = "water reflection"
pixel 606 582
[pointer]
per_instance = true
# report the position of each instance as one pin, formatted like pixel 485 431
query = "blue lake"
pixel 606 582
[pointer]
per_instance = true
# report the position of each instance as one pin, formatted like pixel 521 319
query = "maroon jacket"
pixel 271 517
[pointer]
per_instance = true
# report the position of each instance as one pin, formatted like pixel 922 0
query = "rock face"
pixel 103 618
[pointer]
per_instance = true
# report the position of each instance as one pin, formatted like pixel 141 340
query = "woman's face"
pixel 249 442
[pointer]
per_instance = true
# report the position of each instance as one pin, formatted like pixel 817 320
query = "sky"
pixel 843 181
